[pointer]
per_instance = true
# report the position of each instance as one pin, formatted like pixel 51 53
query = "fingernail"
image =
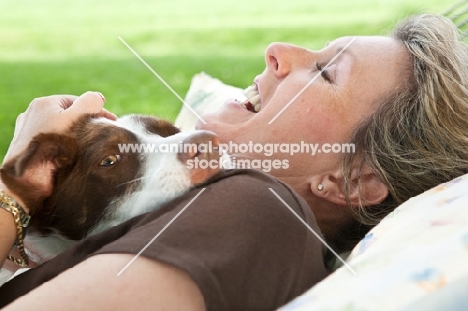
pixel 102 96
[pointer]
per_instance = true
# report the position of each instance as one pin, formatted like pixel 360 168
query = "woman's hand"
pixel 53 114
pixel 46 114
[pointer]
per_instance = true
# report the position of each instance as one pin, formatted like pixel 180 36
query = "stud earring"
pixel 320 187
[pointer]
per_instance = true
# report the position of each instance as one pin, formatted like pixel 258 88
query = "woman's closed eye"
pixel 323 73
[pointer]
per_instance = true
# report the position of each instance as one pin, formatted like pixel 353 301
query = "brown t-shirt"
pixel 239 243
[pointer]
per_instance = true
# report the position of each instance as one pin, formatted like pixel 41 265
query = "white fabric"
pixel 415 259
pixel 205 95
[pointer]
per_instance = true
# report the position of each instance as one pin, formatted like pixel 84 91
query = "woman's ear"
pixel 364 188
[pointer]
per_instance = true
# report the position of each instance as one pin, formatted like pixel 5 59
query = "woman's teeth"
pixel 252 103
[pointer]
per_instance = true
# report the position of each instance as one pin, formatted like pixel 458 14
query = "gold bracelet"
pixel 21 221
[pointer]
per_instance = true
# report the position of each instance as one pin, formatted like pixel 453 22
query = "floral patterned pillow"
pixel 415 259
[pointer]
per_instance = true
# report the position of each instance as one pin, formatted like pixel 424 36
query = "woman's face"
pixel 325 111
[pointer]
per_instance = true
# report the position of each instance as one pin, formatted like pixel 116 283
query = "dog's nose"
pixel 200 153
pixel 200 143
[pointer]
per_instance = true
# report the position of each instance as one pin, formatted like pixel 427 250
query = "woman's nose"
pixel 281 58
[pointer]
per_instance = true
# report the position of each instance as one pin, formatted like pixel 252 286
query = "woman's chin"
pixel 230 113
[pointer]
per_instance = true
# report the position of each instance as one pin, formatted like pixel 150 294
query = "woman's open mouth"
pixel 252 103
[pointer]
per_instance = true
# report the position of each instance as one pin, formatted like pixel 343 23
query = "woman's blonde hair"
pixel 418 136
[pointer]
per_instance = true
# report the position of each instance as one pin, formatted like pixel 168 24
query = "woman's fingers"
pixel 54 114
pixel 89 102
pixel 107 114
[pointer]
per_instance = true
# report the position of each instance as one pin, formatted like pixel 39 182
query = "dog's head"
pixel 103 172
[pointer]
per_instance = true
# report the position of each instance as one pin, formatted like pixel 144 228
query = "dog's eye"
pixel 110 160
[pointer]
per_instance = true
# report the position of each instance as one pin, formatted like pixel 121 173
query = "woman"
pixel 402 101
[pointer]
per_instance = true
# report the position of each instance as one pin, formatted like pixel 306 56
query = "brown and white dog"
pixel 80 183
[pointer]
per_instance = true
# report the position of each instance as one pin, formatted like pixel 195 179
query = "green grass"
pixel 52 47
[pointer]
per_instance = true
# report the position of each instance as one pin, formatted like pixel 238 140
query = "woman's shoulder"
pixel 229 235
pixel 249 193
pixel 251 185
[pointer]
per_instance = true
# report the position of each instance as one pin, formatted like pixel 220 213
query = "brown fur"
pixel 59 177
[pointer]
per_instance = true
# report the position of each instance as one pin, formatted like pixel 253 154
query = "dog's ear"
pixel 157 126
pixel 32 174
